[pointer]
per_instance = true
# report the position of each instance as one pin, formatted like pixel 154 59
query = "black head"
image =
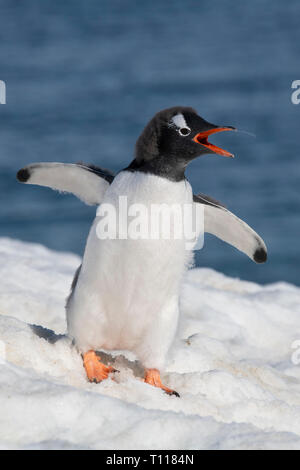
pixel 172 139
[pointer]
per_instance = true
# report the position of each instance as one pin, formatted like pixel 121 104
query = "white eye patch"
pixel 179 121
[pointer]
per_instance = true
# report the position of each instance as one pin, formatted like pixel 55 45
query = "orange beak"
pixel 202 137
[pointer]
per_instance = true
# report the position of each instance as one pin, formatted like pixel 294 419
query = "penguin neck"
pixel 171 168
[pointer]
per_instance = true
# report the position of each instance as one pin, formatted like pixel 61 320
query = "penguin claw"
pixel 152 377
pixel 173 392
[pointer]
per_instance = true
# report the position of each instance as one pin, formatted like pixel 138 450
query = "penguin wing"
pixel 87 182
pixel 222 223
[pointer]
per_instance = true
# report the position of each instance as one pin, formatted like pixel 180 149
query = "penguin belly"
pixel 126 297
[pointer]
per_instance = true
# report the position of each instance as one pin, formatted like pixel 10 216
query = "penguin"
pixel 125 294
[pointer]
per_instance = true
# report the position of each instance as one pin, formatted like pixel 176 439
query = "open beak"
pixel 202 137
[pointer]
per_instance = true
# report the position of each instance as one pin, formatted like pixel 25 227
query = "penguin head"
pixel 178 134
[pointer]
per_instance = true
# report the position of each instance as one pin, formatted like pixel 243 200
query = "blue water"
pixel 84 77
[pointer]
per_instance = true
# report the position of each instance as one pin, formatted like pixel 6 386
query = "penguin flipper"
pixel 73 286
pixel 222 223
pixel 87 182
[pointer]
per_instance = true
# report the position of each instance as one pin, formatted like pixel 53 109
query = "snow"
pixel 231 363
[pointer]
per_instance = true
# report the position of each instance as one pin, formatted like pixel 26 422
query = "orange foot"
pixel 95 370
pixel 152 377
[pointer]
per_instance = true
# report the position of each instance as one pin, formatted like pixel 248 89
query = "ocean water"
pixel 83 78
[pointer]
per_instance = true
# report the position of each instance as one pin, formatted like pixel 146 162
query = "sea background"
pixel 84 77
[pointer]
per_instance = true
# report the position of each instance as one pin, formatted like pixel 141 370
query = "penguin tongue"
pixel 202 137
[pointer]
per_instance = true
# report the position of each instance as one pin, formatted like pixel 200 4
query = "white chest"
pixel 129 285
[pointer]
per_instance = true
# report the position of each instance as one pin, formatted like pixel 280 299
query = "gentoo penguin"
pixel 125 294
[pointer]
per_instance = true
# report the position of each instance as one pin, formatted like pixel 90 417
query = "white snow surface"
pixel 231 363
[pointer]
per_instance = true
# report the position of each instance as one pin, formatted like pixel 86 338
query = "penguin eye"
pixel 184 131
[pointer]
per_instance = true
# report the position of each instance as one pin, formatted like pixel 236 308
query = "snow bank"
pixel 231 363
